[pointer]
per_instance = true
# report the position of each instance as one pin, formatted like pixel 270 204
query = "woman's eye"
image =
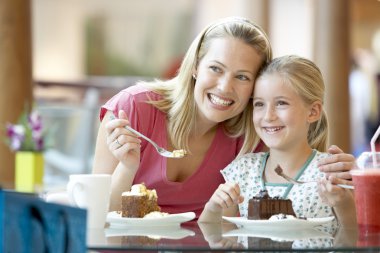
pixel 215 69
pixel 243 78
pixel 257 104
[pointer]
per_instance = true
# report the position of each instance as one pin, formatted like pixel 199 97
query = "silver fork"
pixel 279 172
pixel 175 154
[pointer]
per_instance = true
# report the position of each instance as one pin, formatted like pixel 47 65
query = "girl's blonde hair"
pixel 178 93
pixel 306 79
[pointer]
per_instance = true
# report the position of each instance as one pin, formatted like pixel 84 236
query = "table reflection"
pixel 228 236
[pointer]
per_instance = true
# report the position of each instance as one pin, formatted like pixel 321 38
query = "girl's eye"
pixel 243 78
pixel 282 103
pixel 257 104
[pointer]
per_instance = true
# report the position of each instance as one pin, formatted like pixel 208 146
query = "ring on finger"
pixel 118 143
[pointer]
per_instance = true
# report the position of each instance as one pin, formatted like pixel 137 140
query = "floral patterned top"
pixel 248 170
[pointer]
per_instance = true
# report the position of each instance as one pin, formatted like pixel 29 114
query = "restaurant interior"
pixel 66 58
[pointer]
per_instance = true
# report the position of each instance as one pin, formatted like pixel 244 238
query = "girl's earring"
pixel 195 77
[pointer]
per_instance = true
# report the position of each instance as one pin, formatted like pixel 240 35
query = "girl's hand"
pixel 338 165
pixel 123 144
pixel 332 194
pixel 227 195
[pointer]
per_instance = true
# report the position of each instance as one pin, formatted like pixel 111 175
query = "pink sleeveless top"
pixel 173 197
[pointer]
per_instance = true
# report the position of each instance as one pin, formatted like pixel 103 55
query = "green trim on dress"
pixel 289 186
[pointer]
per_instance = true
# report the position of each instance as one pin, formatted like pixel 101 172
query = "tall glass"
pixel 366 180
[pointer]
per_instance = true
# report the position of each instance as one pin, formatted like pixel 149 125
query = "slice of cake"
pixel 138 202
pixel 263 206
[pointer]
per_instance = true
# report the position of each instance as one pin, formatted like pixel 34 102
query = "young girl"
pixel 289 118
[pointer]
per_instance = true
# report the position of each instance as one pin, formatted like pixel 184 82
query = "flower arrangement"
pixel 27 134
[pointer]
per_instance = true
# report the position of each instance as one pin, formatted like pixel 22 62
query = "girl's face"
pixel 280 116
pixel 224 79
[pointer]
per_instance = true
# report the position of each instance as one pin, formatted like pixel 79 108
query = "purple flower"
pixel 35 121
pixel 28 134
pixel 16 134
pixel 39 144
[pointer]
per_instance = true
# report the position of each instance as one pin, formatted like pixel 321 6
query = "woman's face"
pixel 225 79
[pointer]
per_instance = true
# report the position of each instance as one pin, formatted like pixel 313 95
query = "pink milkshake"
pixel 367 199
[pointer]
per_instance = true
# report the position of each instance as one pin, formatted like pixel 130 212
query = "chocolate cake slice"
pixel 263 206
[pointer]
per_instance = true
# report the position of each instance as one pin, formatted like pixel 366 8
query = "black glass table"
pixel 191 236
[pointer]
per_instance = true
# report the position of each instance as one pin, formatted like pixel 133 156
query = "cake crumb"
pixel 179 153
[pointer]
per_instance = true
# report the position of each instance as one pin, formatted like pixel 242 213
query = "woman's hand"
pixel 123 144
pixel 338 165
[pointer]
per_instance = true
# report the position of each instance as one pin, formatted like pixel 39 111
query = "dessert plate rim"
pixel 116 221
pixel 278 224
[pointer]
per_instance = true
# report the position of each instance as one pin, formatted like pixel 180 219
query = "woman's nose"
pixel 225 83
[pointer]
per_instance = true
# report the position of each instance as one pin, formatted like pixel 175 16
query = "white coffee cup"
pixel 92 192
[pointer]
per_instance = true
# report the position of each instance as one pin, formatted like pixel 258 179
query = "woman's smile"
pixel 219 101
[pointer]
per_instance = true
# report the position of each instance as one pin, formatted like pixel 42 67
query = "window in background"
pixel 76 39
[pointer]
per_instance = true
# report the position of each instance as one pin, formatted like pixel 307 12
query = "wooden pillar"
pixel 15 74
pixel 255 10
pixel 332 56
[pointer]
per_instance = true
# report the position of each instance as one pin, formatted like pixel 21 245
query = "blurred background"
pixel 68 57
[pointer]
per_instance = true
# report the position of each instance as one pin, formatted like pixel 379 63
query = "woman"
pixel 205 110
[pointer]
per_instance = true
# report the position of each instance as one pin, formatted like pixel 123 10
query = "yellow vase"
pixel 29 171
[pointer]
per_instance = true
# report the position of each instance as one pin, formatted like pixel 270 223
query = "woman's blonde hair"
pixel 178 93
pixel 307 81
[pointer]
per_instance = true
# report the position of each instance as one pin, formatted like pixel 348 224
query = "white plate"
pixel 278 224
pixel 280 235
pixel 154 232
pixel 116 221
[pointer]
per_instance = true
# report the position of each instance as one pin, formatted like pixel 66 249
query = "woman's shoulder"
pixel 133 99
pixel 139 92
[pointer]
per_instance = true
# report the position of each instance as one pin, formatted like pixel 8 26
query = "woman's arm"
pixel 119 158
pixel 338 165
pixel 104 161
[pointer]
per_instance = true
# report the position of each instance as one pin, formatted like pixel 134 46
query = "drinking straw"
pixel 373 148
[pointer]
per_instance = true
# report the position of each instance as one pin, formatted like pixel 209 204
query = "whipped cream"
pixel 155 214
pixel 282 216
pixel 140 190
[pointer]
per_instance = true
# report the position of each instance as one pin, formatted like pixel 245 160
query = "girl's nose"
pixel 270 114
